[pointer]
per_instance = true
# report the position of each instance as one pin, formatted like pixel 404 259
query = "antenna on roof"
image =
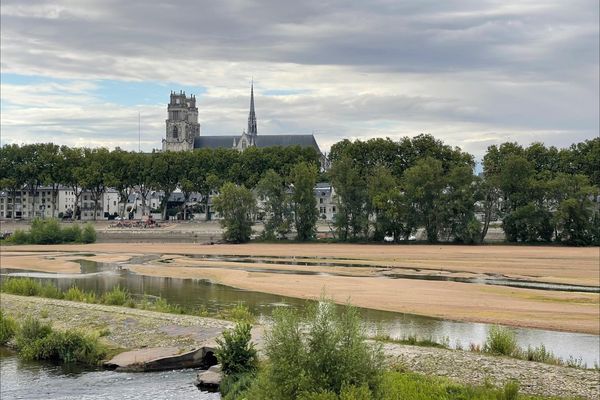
pixel 139 132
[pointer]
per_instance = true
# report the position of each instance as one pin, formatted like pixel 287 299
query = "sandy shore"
pixel 566 311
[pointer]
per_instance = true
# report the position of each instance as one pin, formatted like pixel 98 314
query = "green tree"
pixel 352 198
pixel 11 174
pixel 528 223
pixel 236 204
pixel 304 178
pixel 95 174
pixel 74 162
pixel 164 175
pixel 459 197
pixel 121 175
pixel 423 185
pixel 277 208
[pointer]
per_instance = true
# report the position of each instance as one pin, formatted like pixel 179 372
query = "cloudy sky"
pixel 472 72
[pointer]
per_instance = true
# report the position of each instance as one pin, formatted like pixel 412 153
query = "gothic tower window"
pixel 175 133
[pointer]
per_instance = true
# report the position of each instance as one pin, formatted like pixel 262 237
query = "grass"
pixel 501 341
pixel 8 327
pixel 118 296
pixel 413 340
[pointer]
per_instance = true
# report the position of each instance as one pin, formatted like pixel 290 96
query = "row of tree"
pixel 384 188
pixel 94 170
pixel 393 188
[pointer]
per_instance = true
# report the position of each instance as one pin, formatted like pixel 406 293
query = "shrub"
pixel 324 355
pixel 70 347
pixel 239 313
pixel 8 327
pixel 28 336
pixel 501 341
pixel 74 294
pixel 49 231
pixel 50 291
pixel 71 234
pixel 19 237
pixel 89 234
pixel 116 297
pixel 236 353
pixel 21 286
pixel 30 287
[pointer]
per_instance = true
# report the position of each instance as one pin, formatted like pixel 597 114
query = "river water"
pixel 44 381
pixel 194 294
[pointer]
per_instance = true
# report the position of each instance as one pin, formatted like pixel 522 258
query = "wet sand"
pixel 576 312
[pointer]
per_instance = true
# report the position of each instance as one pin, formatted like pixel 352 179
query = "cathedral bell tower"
pixel 182 125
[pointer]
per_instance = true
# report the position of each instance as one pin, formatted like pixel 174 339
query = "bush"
pixel 30 332
pixel 30 287
pixel 239 313
pixel 19 237
pixel 37 341
pixel 116 297
pixel 501 341
pixel 21 286
pixel 70 347
pixel 71 234
pixel 8 328
pixel 324 355
pixel 236 353
pixel 89 234
pixel 49 231
pixel 74 294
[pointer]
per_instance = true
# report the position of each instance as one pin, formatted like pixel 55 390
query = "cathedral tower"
pixel 182 125
pixel 252 131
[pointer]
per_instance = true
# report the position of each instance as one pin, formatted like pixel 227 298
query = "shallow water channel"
pixel 44 381
pixel 195 293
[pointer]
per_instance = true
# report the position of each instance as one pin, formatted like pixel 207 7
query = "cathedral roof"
pixel 212 142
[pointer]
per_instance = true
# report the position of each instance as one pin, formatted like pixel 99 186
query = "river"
pixel 194 293
pixel 44 381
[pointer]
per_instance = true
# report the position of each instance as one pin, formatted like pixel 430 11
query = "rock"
pixel 210 380
pixel 161 359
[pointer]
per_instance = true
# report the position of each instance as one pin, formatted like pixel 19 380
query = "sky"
pixel 472 73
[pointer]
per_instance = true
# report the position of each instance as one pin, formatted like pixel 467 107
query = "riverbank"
pixel 415 279
pixel 132 328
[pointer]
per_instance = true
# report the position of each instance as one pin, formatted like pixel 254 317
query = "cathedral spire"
pixel 252 131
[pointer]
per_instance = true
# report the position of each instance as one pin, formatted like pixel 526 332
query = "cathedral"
pixel 183 130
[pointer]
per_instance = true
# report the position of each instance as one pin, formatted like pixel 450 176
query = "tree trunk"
pixel 206 210
pixel 14 206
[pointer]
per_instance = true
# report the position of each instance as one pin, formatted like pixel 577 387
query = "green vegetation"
pixel 119 297
pixel 8 327
pixel 35 340
pixel 49 231
pixel 324 356
pixel 326 351
pixel 278 207
pixel 384 188
pixel 237 207
pixel 236 353
pixel 116 297
pixel 413 340
pixel 501 341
